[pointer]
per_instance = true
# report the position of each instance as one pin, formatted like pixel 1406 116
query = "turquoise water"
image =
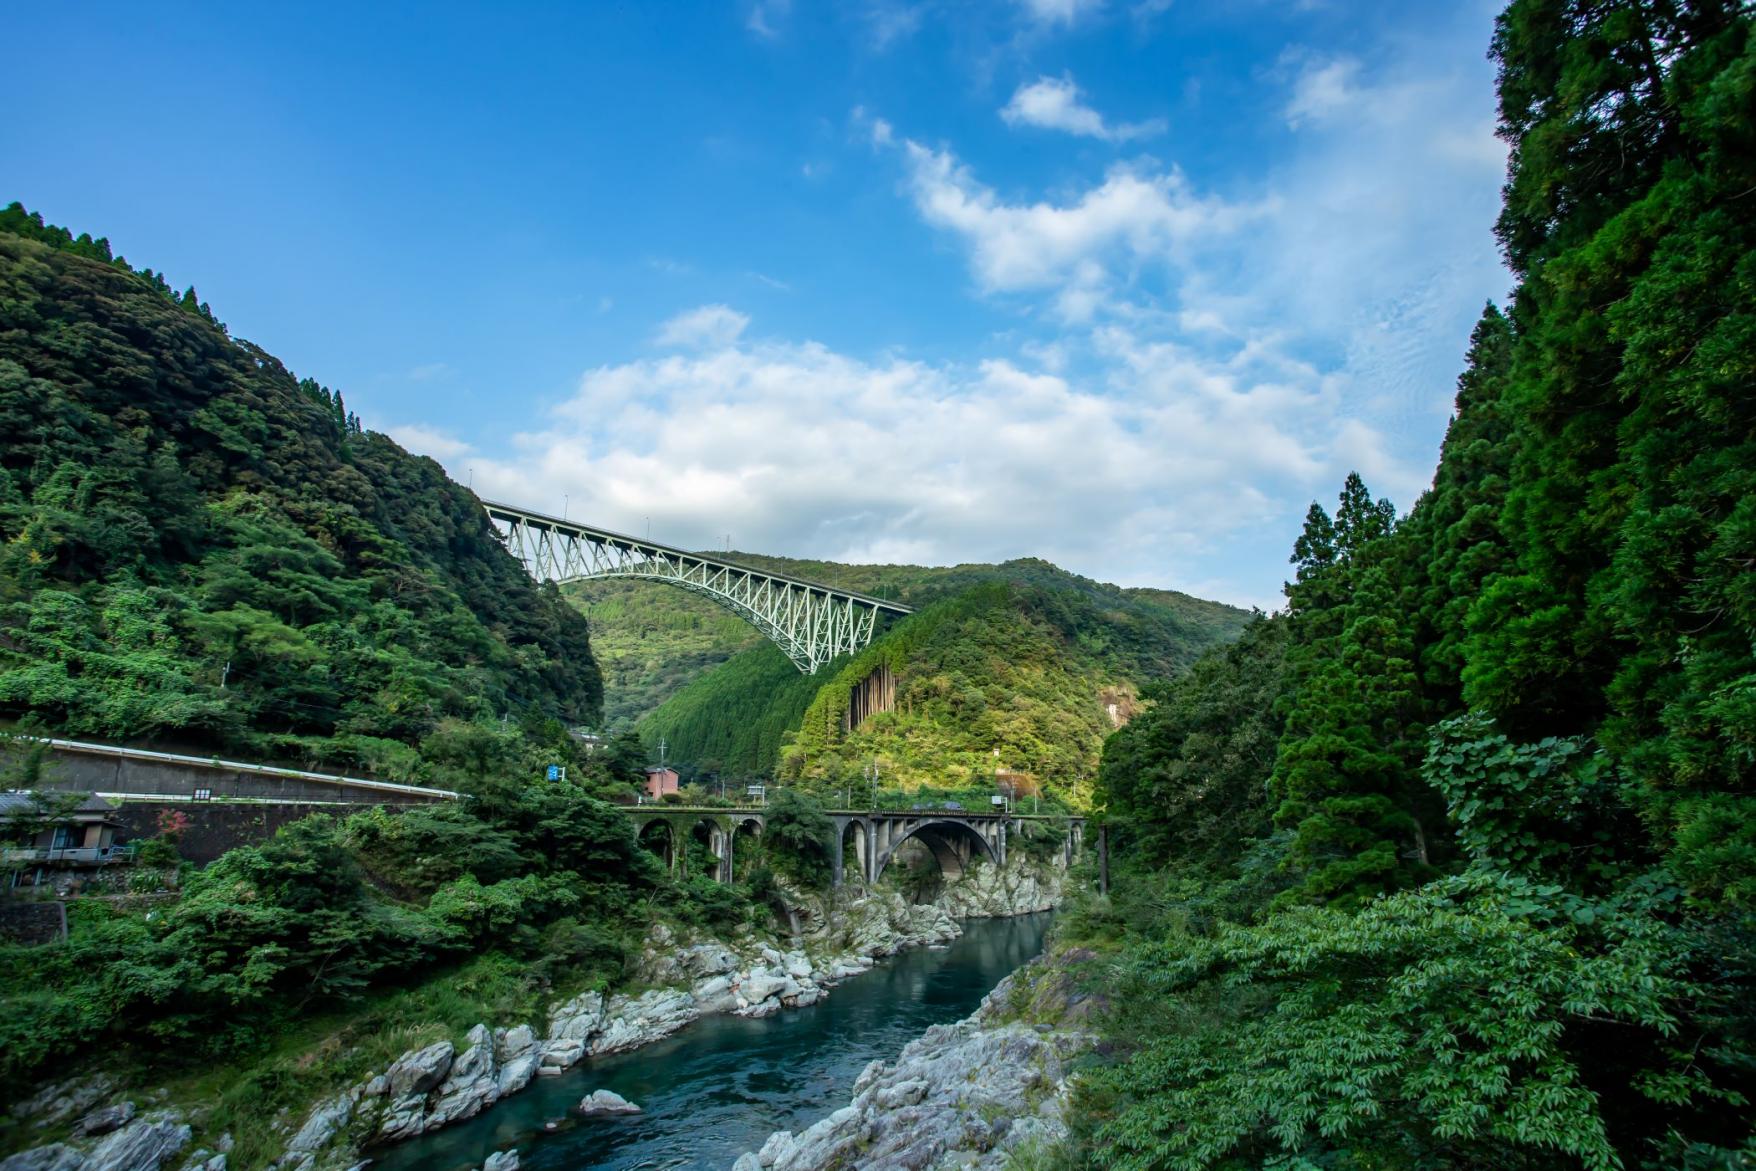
pixel 722 1085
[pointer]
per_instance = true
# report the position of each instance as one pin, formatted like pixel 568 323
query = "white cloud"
pixel 1188 366
pixel 1136 214
pixel 708 327
pixel 1308 322
pixel 888 23
pixel 427 371
pixel 424 440
pixel 1133 468
pixel 1323 90
pixel 1054 103
pixel 1063 12
pixel 765 15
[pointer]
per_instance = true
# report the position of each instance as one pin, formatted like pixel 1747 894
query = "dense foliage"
pixel 325 912
pixel 651 642
pixel 199 549
pixel 731 722
pixel 1021 659
pixel 1452 865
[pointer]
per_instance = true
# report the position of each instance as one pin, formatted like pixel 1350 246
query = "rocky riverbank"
pixel 430 1088
pixel 677 980
pixel 975 1094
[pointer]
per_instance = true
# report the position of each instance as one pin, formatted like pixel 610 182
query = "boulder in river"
pixel 606 1102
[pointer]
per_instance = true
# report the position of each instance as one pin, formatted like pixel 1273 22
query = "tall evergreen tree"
pixel 1460 518
pixel 1629 609
pixel 1345 775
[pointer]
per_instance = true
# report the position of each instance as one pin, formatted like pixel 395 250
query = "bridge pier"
pixel 865 842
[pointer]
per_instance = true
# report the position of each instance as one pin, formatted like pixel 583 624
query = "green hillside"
pixel 1022 658
pixel 652 640
pixel 199 549
pixel 732 720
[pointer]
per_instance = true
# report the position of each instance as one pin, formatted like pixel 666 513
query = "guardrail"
pixel 219 764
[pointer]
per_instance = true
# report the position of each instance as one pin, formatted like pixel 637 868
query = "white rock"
pixel 140 1146
pixel 516 1073
pixel 577 1019
pixel 405 1117
pixel 514 1042
pixel 472 1085
pixel 606 1102
pixel 62 1100
pixel 761 1008
pixel 761 986
pixel 779 1144
pixel 559 1057
pixel 54 1157
pixel 320 1126
pixel 419 1070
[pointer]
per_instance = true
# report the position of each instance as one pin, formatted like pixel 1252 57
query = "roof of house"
pixel 15 802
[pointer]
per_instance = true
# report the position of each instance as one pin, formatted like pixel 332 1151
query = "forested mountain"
pixel 1022 658
pixel 1454 863
pixel 652 642
pixel 199 549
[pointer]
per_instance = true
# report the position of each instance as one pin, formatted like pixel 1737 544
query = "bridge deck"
pixel 512 514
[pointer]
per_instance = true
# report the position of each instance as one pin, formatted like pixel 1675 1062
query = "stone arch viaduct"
pixel 866 842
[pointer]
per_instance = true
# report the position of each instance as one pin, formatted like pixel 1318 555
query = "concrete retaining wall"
pixel 70 766
pixel 215 828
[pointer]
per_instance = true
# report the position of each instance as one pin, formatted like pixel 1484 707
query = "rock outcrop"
pixel 147 1143
pixel 987 892
pixel 966 1095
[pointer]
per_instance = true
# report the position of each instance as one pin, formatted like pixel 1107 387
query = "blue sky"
pixel 1120 284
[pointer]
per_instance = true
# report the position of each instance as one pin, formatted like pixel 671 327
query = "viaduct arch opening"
pixel 934 853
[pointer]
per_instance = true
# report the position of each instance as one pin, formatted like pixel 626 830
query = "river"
pixel 723 1084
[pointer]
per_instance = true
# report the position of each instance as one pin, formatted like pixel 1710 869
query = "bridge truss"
pixel 811 623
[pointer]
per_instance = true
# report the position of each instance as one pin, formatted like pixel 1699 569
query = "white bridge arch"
pixel 811 623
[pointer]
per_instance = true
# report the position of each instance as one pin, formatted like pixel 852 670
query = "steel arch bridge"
pixel 811 623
